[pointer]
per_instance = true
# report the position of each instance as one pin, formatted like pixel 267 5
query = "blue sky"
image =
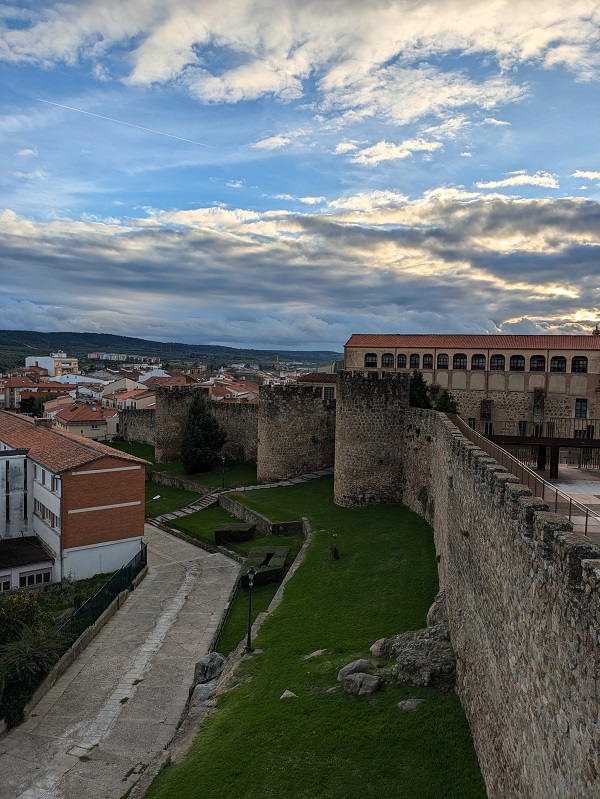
pixel 284 174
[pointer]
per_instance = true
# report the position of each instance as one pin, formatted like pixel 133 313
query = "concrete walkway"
pixel 120 702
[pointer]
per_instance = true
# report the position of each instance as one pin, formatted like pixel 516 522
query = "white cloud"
pixel 235 184
pixel 345 147
pixel 466 154
pixel 272 143
pixel 497 122
pixel 37 174
pixel 386 151
pixel 521 178
pixel 311 200
pixel 581 173
pixel 29 152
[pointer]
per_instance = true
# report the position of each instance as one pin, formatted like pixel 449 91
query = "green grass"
pixel 237 473
pixel 202 525
pixel 171 499
pixel 327 745
pixel 236 626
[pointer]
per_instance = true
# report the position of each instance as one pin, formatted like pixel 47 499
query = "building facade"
pixel 81 502
pixel 519 379
pixel 57 364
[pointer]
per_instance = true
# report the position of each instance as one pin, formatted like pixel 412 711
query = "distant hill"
pixel 15 345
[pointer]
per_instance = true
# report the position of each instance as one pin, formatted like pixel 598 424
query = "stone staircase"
pixel 212 499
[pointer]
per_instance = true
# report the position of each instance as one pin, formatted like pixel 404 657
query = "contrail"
pixel 130 124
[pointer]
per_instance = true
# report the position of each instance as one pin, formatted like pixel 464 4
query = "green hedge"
pixel 230 533
pixel 271 572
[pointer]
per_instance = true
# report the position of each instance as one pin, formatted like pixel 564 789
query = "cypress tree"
pixel 203 437
pixel 419 393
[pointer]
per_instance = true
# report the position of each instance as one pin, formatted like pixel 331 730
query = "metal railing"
pixel 94 607
pixel 554 427
pixel 583 519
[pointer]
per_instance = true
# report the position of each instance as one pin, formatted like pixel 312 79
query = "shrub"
pixel 17 611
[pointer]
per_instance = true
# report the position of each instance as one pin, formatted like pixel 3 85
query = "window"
pixel 402 362
pixel 414 361
pixel 472 422
pixel 558 364
pixel 478 362
pixel 329 393
pixel 579 364
pixel 497 363
pixel 459 361
pixel 387 361
pixel 5 583
pixel 428 362
pixel 537 363
pixel 522 427
pixel 517 363
pixel 370 360
pixel 581 408
pixel 442 361
pixel 33 578
pixel 97 426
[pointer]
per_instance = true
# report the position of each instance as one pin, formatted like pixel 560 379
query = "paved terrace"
pixel 121 700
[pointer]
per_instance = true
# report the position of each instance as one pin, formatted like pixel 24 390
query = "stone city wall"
pixel 137 425
pixel 172 406
pixel 524 614
pixel 240 422
pixel 296 432
pixel 369 434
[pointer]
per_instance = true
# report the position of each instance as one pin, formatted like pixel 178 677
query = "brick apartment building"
pixel 72 507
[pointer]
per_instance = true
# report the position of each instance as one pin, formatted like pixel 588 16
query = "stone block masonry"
pixel 240 422
pixel 524 614
pixel 137 425
pixel 296 432
pixel 172 405
pixel 369 438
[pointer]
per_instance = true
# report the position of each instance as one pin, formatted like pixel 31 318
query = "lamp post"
pixel 251 575
pixel 223 473
pixel 146 504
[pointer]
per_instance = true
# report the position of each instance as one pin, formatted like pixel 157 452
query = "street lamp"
pixel 150 500
pixel 251 575
pixel 223 462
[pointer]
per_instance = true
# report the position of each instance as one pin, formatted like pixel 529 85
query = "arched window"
pixel 442 361
pixel 579 364
pixel 517 363
pixel 428 362
pixel 558 364
pixel 414 361
pixel 459 361
pixel 497 363
pixel 387 361
pixel 370 360
pixel 402 362
pixel 478 362
pixel 537 363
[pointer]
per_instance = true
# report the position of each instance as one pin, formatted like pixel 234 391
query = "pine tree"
pixel 203 437
pixel 446 402
pixel 419 393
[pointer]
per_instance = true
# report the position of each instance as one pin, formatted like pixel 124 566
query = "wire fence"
pixel 583 519
pixel 94 607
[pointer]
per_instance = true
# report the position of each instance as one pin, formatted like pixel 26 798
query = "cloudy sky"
pixel 283 173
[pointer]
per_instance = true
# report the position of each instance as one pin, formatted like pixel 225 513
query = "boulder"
pixel 361 683
pixel 437 612
pixel 409 704
pixel 288 695
pixel 352 668
pixel 425 657
pixel 208 667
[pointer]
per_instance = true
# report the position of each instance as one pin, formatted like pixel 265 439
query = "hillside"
pixel 15 345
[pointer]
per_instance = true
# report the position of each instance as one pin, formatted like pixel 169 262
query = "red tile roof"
pixel 318 377
pixel 79 413
pixel 56 450
pixel 475 341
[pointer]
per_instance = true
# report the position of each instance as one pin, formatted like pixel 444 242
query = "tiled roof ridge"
pixel 470 340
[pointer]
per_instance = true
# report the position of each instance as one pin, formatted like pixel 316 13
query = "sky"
pixel 284 173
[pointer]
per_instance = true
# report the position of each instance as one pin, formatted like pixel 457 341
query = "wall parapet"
pixel 524 614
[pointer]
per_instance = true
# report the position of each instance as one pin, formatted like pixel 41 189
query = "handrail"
pixel 583 518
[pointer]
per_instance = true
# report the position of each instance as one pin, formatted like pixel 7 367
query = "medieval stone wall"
pixel 240 422
pixel 524 613
pixel 296 432
pixel 369 437
pixel 137 425
pixel 172 406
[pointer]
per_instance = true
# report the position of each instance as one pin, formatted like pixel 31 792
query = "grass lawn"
pixel 324 745
pixel 237 473
pixel 236 626
pixel 171 499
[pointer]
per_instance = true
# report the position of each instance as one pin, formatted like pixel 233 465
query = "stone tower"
pixel 369 437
